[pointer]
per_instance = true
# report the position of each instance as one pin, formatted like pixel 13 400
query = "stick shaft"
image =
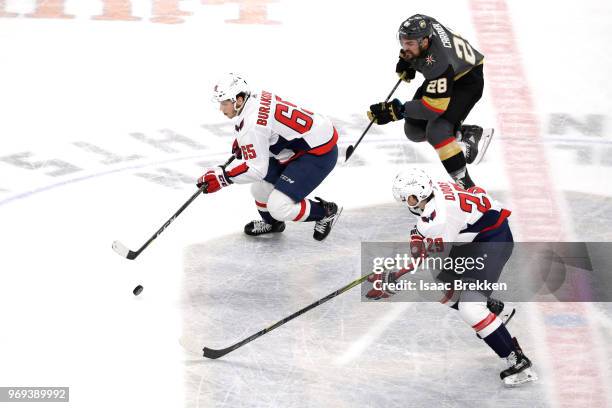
pixel 175 215
pixel 351 149
pixel 170 220
pixel 213 354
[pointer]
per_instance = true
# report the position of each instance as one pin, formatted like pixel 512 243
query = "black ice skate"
pixel 260 227
pixel 520 370
pixel 476 141
pixel 324 226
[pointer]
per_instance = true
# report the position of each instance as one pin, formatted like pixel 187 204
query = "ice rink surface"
pixel 107 122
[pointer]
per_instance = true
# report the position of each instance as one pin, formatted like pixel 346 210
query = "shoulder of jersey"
pixel 436 60
pixel 261 109
pixel 251 115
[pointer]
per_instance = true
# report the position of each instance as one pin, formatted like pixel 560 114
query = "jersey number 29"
pixel 467 201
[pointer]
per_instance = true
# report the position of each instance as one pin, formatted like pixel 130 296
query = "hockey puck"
pixel 137 290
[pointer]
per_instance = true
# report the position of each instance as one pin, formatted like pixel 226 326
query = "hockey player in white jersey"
pixel 285 152
pixel 451 214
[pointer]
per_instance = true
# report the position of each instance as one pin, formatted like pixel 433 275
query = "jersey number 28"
pixel 464 50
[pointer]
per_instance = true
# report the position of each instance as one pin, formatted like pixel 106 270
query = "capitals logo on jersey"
pixel 239 127
pixel 430 217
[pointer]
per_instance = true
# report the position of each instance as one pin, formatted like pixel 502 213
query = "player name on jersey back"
pixel 263 113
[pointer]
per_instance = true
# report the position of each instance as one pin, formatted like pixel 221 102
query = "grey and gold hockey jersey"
pixel 448 58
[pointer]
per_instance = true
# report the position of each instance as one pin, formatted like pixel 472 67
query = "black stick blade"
pixel 215 354
pixel 349 152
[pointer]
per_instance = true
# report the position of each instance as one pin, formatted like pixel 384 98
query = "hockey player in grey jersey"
pixel 454 82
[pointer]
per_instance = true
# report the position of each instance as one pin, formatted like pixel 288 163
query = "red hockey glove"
pixel 380 289
pixel 417 246
pixel 214 179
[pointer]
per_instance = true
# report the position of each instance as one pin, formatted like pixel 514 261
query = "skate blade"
pixel 337 216
pixel 335 220
pixel 487 136
pixel 527 375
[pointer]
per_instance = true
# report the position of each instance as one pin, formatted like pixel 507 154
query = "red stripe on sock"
pixel 444 142
pixel 484 322
pixel 302 210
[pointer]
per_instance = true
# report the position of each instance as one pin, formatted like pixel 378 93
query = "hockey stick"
pixel 214 354
pixel 122 250
pixel 351 149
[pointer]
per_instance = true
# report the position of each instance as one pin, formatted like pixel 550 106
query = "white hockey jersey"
pixel 269 126
pixel 457 215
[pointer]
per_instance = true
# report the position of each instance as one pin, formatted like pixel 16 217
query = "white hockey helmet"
pixel 410 182
pixel 229 86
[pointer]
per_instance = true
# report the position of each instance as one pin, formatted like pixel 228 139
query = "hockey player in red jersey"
pixel 285 152
pixel 453 72
pixel 449 214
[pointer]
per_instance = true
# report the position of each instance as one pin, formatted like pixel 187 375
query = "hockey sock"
pixel 500 341
pixel 317 212
pixel 448 149
pixel 264 213
pixel 308 210
pixel 285 208
pixel 453 160
pixel 267 217
pixel 485 323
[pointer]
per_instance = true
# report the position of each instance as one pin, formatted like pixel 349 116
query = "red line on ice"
pixel 577 377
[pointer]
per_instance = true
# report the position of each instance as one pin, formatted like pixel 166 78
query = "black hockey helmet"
pixel 414 28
